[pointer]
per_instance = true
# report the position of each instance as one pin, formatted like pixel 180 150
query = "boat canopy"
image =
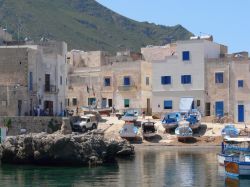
pixel 185 104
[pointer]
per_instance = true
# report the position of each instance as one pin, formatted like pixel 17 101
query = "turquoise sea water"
pixel 151 166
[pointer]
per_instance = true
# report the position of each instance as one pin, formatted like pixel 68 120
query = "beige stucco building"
pixel 99 79
pixel 229 94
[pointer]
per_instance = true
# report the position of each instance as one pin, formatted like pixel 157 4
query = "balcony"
pixel 124 88
pixel 52 89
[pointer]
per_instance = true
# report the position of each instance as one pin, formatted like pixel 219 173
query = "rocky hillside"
pixel 83 24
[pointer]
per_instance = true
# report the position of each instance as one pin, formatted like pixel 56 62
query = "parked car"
pixel 83 123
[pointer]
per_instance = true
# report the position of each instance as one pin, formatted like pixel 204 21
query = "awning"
pixel 185 104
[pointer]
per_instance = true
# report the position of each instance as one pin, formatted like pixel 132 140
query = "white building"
pixel 178 71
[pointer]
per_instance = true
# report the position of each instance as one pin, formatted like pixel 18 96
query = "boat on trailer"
pixel 240 166
pixel 129 131
pixel 183 131
pixel 148 129
pixel 171 120
pixel 194 118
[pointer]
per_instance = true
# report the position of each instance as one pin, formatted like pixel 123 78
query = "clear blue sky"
pixel 227 20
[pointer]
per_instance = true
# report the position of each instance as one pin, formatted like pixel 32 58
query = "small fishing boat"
pixel 130 115
pixel 230 130
pixel 129 131
pixel 240 166
pixel 148 129
pixel 171 120
pixel 183 131
pixel 194 119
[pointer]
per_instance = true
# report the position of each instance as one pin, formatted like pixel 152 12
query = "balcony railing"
pixel 127 87
pixel 51 89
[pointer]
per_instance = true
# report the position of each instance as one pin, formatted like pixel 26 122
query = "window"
pixel 60 80
pixel 126 81
pixel 74 101
pixel 31 81
pixel 186 79
pixel 240 83
pixel 185 56
pixel 91 101
pixel 107 81
pixel 168 104
pixel 166 80
pixel 219 77
pixel 126 103
pixel 198 103
pixel 147 80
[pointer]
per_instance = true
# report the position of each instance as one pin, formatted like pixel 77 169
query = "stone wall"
pixel 24 125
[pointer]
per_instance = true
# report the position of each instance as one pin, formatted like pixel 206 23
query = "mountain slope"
pixel 83 24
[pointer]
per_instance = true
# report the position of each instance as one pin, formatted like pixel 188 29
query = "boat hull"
pixel 148 135
pixel 170 126
pixel 195 126
pixel 224 157
pixel 237 169
pixel 184 138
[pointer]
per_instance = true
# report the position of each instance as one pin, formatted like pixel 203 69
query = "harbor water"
pixel 151 166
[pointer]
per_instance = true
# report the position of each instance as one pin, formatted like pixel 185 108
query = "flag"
pixel 87 88
pixel 93 90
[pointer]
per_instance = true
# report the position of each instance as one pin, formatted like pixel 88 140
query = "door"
pixel 19 106
pixel 219 108
pixel 47 82
pixel 104 102
pixel 207 109
pixel 110 102
pixel 48 108
pixel 148 106
pixel 241 113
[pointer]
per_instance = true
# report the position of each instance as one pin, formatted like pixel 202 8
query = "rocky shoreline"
pixel 63 147
pixel 59 149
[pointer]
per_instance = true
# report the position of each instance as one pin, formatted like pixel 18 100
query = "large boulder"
pixel 61 149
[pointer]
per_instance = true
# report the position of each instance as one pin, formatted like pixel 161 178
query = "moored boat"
pixel 228 151
pixel 240 166
pixel 183 131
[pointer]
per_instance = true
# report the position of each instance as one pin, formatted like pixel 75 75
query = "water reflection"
pixel 233 182
pixel 150 167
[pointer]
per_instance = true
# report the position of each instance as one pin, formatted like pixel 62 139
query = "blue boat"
pixel 170 121
pixel 194 118
pixel 230 130
pixel 238 166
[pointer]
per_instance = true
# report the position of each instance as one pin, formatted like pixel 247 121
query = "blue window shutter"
pixel 166 80
pixel 185 55
pixel 240 83
pixel 126 81
pixel 162 80
pixel 219 77
pixel 186 79
pixel 168 104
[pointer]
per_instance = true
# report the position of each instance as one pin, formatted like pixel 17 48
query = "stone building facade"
pixel 103 80
pixel 229 94
pixel 32 77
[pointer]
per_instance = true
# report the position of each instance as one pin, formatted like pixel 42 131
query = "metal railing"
pixel 50 89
